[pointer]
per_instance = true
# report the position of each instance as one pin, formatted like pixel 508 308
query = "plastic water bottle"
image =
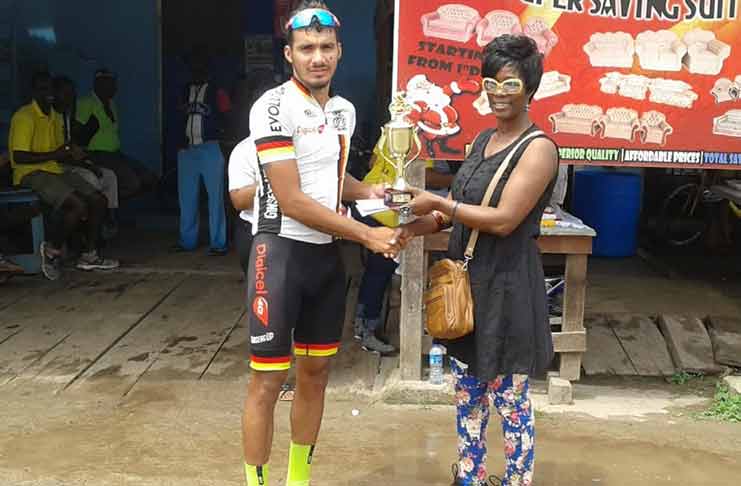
pixel 436 364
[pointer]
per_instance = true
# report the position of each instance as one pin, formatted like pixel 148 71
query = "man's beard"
pixel 318 86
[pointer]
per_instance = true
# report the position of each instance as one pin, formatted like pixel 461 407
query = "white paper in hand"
pixel 367 207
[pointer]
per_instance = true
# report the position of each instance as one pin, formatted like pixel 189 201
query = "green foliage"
pixel 726 406
pixel 683 377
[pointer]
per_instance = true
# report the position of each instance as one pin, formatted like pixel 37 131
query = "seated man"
pixel 104 148
pixel 104 180
pixel 37 146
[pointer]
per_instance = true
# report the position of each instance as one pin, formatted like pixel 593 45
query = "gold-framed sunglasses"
pixel 511 86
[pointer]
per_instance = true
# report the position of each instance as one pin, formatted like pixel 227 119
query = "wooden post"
pixel 412 286
pixel 573 312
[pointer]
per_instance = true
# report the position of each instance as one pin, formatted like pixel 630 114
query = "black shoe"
pixel 217 251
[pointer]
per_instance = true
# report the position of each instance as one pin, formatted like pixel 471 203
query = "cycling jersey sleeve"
pixel 272 129
pixel 242 165
pixel 353 121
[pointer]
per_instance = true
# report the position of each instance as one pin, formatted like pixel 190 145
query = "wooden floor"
pixel 130 329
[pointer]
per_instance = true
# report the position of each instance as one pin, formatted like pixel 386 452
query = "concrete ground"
pixel 183 433
pixel 137 378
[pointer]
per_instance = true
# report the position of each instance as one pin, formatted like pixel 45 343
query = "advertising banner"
pixel 626 82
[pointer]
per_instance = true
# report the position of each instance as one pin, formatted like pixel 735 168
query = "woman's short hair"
pixel 518 52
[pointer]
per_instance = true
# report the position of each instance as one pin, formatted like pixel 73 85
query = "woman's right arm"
pixel 430 223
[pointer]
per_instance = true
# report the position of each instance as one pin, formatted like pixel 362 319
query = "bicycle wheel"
pixel 683 219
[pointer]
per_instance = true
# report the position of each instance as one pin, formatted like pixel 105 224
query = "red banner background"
pixel 691 143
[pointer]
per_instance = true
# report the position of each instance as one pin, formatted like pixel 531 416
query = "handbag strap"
pixel 468 254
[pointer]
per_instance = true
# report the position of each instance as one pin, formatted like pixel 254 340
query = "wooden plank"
pixel 725 335
pixel 570 342
pixel 556 244
pixel 100 328
pixel 233 359
pixel 188 357
pixel 689 344
pixel 437 241
pixel 412 286
pixel 351 304
pixel 49 320
pixel 199 304
pixel 25 300
pixel 565 244
pixel 14 290
pixel 393 316
pixel 643 343
pixel 605 355
pixel 573 311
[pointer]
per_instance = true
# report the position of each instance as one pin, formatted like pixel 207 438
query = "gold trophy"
pixel 397 139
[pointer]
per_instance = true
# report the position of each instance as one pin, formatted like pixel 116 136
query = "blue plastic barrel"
pixel 610 203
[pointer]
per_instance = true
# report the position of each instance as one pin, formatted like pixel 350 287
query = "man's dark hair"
pixel 38 77
pixel 518 52
pixel 306 4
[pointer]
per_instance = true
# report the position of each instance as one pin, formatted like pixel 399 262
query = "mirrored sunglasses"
pixel 312 16
pixel 510 86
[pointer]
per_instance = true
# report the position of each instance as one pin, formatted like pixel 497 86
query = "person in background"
pixel 242 189
pixel 104 147
pixel 102 179
pixel 379 271
pixel 205 106
pixel 243 176
pixel 511 341
pixel 37 152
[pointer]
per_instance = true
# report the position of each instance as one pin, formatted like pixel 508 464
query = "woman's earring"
pixel 527 107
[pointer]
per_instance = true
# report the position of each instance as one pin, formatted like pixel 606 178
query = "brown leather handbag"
pixel 448 299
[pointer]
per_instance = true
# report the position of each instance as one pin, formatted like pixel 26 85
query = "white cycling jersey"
pixel 288 123
pixel 243 171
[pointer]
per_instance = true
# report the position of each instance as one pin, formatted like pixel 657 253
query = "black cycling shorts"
pixel 295 299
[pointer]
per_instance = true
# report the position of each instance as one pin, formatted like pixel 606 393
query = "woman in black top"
pixel 512 338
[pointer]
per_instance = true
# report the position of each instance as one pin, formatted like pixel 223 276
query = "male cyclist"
pixel 296 280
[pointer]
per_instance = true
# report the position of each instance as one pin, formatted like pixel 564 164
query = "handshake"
pixel 391 241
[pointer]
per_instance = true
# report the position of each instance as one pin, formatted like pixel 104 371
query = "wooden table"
pixel 570 343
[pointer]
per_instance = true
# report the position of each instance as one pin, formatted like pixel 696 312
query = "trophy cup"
pixel 397 139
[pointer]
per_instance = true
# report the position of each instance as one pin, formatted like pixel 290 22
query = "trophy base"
pixel 395 198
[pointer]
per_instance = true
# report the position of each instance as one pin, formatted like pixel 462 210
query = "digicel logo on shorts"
pixel 260 304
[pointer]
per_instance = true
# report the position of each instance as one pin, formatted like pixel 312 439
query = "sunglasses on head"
pixel 312 16
pixel 511 86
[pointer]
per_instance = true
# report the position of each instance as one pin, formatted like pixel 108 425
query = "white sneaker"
pixel 93 261
pixel 50 265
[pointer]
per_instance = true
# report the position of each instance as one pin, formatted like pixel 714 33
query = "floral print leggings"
pixel 511 396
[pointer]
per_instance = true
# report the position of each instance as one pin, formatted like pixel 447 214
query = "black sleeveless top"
pixel 512 331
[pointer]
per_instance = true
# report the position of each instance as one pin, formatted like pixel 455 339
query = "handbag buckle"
pixel 465 262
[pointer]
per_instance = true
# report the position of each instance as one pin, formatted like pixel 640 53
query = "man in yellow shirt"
pixel 36 145
pixel 104 148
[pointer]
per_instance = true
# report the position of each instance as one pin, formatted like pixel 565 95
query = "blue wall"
pixel 356 76
pixel 76 37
